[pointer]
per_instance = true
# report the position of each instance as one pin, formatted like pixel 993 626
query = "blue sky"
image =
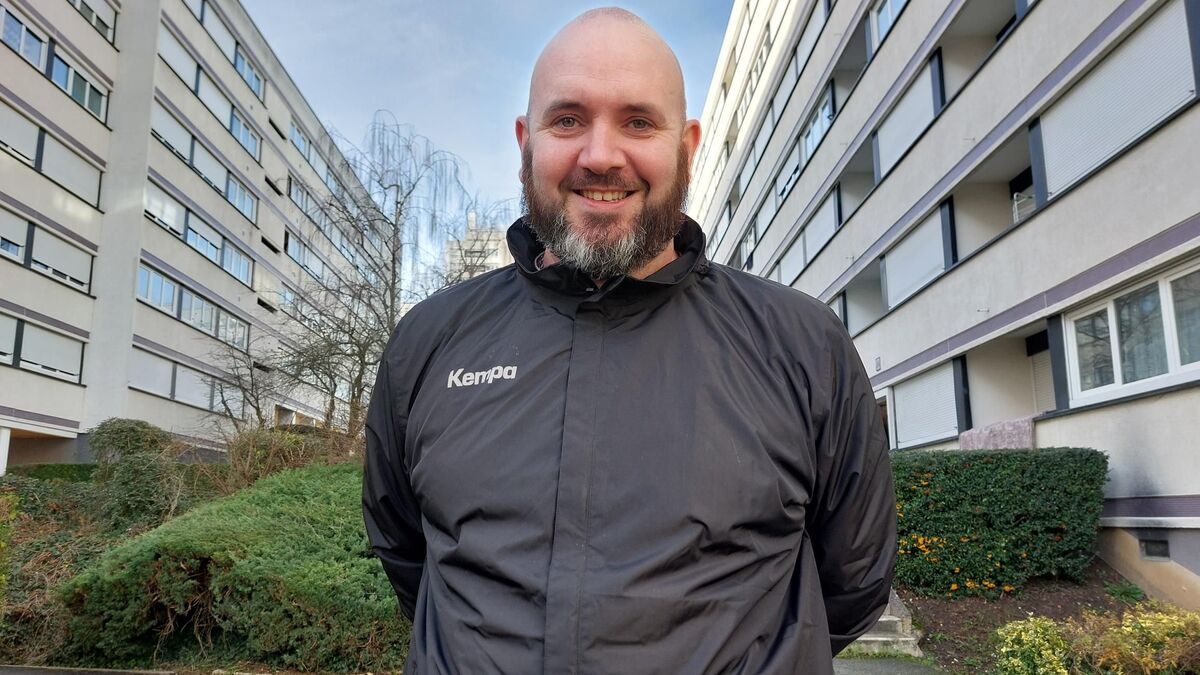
pixel 458 71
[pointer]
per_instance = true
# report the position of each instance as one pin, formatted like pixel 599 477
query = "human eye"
pixel 640 124
pixel 566 123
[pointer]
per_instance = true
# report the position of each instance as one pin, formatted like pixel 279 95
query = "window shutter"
pixel 59 255
pixel 8 337
pixel 906 121
pixel 220 34
pixel 926 409
pixel 71 171
pixel 208 166
pixel 822 226
pixel 150 372
pixel 170 130
pixel 212 97
pixel 1144 80
pixel 51 351
pixel 176 56
pixel 915 260
pixel 164 207
pixel 17 132
pixel 13 227
pixel 192 387
pixel 1043 382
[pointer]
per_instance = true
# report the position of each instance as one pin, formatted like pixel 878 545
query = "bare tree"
pixel 384 241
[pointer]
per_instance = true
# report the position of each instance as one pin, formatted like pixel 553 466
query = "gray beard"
pixel 598 261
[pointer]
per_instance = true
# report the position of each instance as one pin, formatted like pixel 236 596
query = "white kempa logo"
pixel 460 379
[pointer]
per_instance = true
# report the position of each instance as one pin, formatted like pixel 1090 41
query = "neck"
pixel 664 258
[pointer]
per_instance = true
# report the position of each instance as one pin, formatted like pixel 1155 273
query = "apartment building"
pixel 163 186
pixel 999 199
pixel 479 250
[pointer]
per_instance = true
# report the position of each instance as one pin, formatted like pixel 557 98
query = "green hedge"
pixel 72 473
pixel 983 522
pixel 279 573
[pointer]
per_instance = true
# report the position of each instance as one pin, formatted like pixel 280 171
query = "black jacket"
pixel 683 474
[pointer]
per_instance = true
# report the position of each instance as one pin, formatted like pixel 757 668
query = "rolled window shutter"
pixel 915 260
pixel 60 256
pixel 1144 80
pixel 150 372
pixel 176 56
pixel 17 132
pixel 925 407
pixel 47 351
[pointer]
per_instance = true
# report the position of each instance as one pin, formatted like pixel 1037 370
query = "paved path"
pixel 881 667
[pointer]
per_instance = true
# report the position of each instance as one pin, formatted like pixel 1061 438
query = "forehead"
pixel 607 65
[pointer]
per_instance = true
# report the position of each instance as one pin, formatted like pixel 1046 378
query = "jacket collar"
pixel 575 287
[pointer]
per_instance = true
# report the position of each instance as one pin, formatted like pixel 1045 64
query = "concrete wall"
pixel 981 212
pixel 1000 379
pixel 1150 442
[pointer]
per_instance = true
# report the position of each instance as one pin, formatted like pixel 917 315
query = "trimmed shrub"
pixel 1033 646
pixel 1149 638
pixel 72 473
pixel 280 573
pixel 983 522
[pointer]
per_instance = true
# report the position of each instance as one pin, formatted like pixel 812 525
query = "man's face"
pixel 605 149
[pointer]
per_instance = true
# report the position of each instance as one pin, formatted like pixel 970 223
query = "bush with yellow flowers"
pixel 983 522
pixel 1148 639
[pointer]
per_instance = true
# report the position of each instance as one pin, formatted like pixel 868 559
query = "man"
pixel 615 456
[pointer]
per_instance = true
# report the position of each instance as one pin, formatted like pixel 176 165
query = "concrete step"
pixel 893 632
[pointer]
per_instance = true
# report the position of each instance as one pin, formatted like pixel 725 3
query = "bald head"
pixel 607 43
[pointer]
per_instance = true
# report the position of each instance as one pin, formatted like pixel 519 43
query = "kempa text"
pixel 460 379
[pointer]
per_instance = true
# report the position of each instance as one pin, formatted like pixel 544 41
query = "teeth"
pixel 603 196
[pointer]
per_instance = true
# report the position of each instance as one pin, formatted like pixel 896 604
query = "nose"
pixel 602 151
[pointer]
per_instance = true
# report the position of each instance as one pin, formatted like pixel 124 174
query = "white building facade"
pixel 479 250
pixel 998 198
pixel 159 178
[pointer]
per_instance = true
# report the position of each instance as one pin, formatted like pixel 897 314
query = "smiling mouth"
pixel 603 195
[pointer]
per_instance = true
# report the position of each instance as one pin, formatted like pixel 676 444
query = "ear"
pixel 691 138
pixel 522 129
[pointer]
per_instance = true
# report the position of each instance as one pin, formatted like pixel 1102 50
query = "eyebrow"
pixel 563 105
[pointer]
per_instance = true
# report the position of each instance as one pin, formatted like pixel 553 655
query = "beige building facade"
pixel 160 178
pixel 998 199
pixel 479 250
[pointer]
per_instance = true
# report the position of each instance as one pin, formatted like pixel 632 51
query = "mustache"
pixel 584 179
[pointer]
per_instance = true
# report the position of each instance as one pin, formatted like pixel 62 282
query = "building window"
pixel 198 312
pixel 233 331
pixel 817 125
pixel 298 194
pixel 101 20
pixel 885 13
pixel 242 132
pixel 240 197
pixel 61 260
pixel 13 233
pixel 1142 339
pixel 237 263
pixel 202 238
pixel 299 140
pixel 248 72
pixel 22 40
pixel 86 94
pixel 156 289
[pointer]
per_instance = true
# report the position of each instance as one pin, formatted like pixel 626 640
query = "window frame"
pixel 1177 371
pixel 90 88
pixel 43 50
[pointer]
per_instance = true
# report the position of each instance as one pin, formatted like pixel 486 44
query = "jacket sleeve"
pixel 853 522
pixel 390 509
